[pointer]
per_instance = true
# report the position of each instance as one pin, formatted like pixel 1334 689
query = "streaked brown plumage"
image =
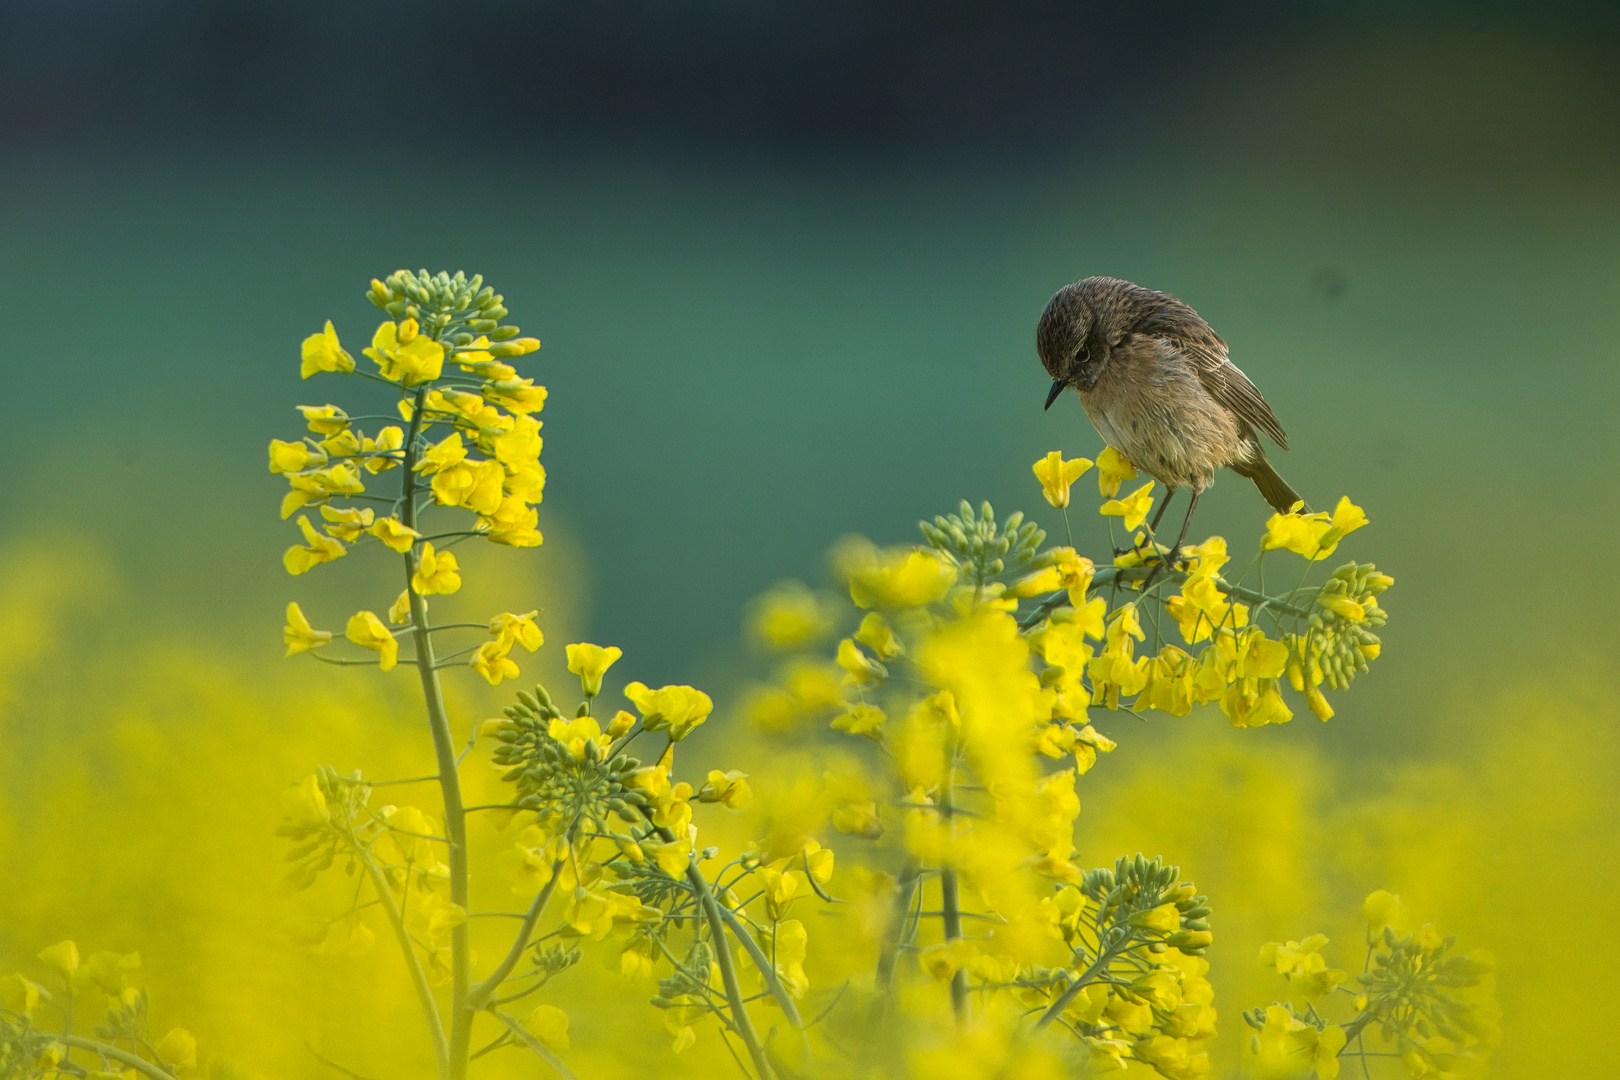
pixel 1158 387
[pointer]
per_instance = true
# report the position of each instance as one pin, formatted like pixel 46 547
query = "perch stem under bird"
pixel 1156 383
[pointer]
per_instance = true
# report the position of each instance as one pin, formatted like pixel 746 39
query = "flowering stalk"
pixel 444 749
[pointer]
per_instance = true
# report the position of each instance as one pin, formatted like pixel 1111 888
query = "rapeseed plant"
pixel 971 941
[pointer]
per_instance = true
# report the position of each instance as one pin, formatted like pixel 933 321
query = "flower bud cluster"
pixel 980 548
pixel 1148 898
pixel 1341 641
pixel 555 780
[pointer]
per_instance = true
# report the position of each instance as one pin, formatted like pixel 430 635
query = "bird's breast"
pixel 1150 404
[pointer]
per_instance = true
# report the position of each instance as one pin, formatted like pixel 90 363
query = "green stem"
pixel 123 1057
pixel 424 990
pixel 455 818
pixel 767 970
pixel 479 996
pixel 1086 978
pixel 540 1048
pixel 910 882
pixel 1355 1028
pixel 1116 575
pixel 740 1019
pixel 950 902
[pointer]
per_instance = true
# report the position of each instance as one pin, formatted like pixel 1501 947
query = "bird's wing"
pixel 1181 326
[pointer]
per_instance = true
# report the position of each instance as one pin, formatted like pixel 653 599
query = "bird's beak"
pixel 1058 386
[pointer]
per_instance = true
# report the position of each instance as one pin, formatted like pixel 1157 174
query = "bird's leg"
pixel 1174 553
pixel 1169 493
pixel 1153 527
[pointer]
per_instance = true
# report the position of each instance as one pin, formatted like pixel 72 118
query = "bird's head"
pixel 1068 341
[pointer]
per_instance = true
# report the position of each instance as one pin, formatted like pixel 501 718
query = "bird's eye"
pixel 1083 356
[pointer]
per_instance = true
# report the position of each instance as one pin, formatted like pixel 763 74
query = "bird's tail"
pixel 1273 487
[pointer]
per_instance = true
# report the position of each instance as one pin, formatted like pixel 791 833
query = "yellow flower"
pixel 393 534
pixel 876 634
pixel 1112 470
pixel 549 1025
pixel 781 889
pixel 861 719
pixel 575 733
pixel 179 1046
pixel 403 355
pixel 1163 919
pixel 677 708
pixel 896 578
pixel 299 635
pixel 19 995
pixel 324 419
pixel 789 616
pixel 858 818
pixel 1381 909
pixel 442 455
pixel 519 395
pixel 1347 518
pixel 368 631
pixel 1057 476
pixel 590 663
pixel 863 670
pixel 1314 536
pixel 323 353
pixel 492 662
pixel 527 484
pixel 818 862
pixel 399 612
pixel 522 445
pixel 1107 1055
pixel 346 524
pixel 729 789
pixel 477 485
pixel 1287 1046
pixel 320 549
pixel 343 443
pixel 436 572
pixel 517 630
pixel 512 523
pixel 1133 508
pixel 1255 703
pixel 381 449
pixel 1303 963
pixel 291 457
pixel 63 956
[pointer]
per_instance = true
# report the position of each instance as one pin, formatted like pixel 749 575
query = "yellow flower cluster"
pixel 486 459
pixel 1417 1000
pixel 1239 665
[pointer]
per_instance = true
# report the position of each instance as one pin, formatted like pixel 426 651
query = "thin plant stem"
pixel 909 884
pixel 123 1057
pixel 950 903
pixel 479 995
pixel 455 818
pixel 741 1021
pixel 541 1049
pixel 424 990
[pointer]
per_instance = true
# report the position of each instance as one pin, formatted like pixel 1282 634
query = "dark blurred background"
pixel 787 259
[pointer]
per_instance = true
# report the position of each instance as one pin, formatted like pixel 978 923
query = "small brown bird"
pixel 1156 383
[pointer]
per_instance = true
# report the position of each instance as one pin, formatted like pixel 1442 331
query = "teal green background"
pixel 750 358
